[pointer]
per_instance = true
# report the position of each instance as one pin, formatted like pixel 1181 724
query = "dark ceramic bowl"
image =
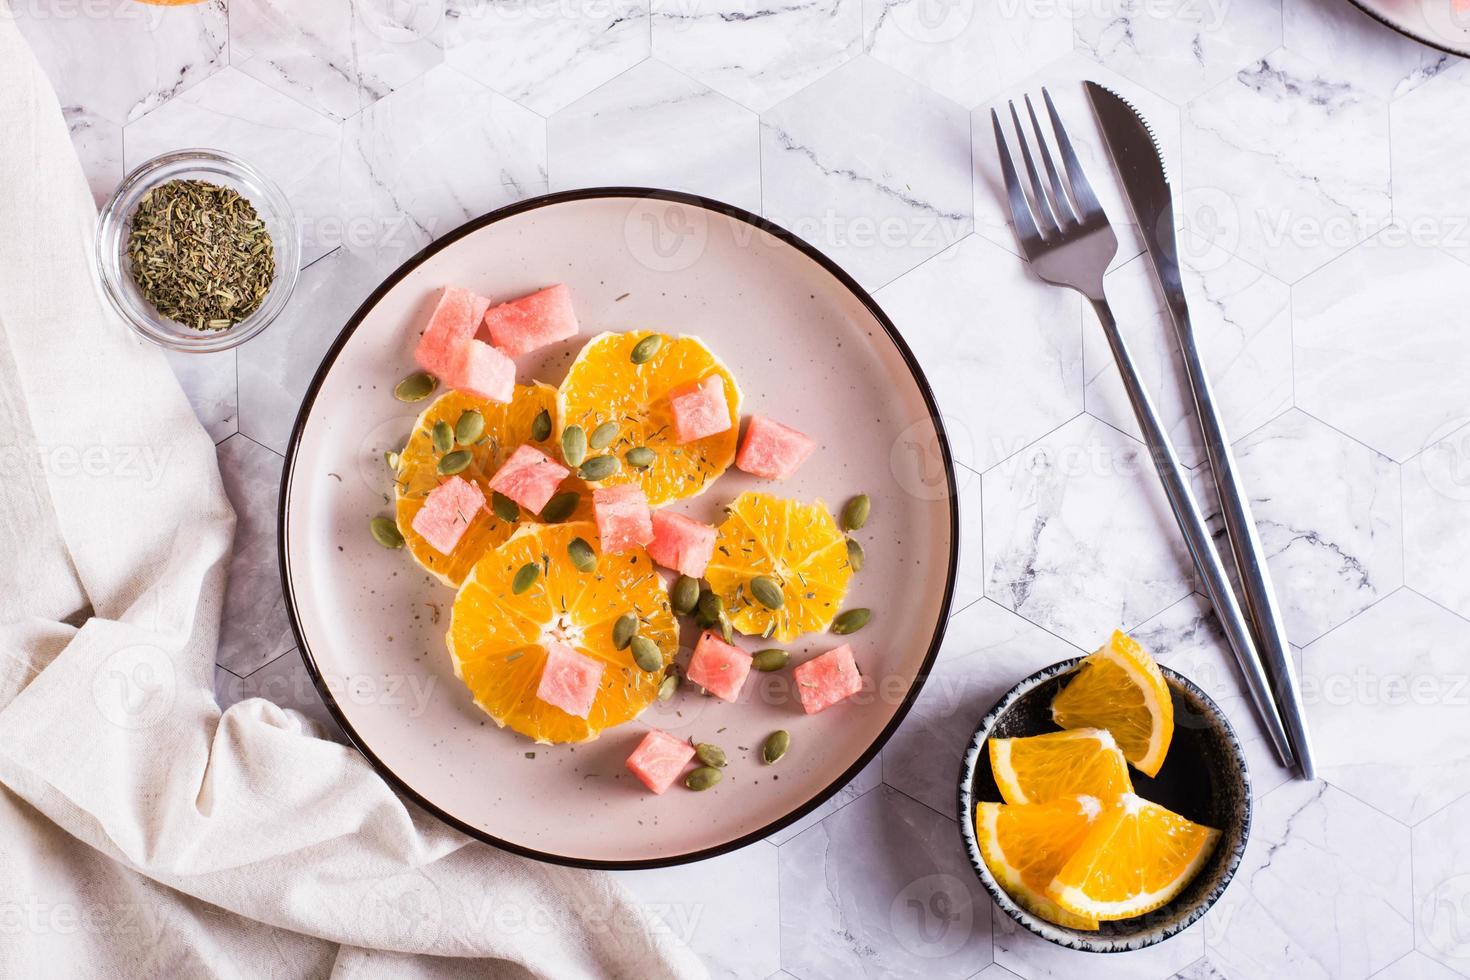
pixel 1203 777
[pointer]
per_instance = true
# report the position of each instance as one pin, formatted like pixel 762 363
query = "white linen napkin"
pixel 142 833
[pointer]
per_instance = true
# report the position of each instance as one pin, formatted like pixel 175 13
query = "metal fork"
pixel 1069 242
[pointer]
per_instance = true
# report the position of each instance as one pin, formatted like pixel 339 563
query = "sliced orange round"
pixel 604 385
pixel 498 636
pixel 796 546
pixel 1024 847
pixel 1045 767
pixel 1120 688
pixel 506 427
pixel 1135 858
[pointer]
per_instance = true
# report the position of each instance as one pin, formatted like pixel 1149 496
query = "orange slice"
pixel 1120 688
pixel 497 637
pixel 1045 767
pixel 1136 857
pixel 604 385
pixel 1024 847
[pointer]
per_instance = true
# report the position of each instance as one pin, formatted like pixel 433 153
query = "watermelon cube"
pixel 533 321
pixel 659 759
pixel 699 409
pixel 482 371
pixel 623 518
pixel 825 680
pixel 569 680
pixel 447 512
pixel 718 667
pixel 681 543
pixel 772 450
pixel 451 326
pixel 529 477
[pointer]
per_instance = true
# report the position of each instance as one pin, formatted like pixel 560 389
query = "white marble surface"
pixel 1320 162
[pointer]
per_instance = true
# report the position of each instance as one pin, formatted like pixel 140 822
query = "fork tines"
pixel 1054 210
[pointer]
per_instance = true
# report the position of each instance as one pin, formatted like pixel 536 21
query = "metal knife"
pixel 1140 169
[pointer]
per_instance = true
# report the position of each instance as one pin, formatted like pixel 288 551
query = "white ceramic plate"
pixel 808 347
pixel 1433 22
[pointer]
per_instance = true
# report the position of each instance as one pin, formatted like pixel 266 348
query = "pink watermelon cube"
pixel 533 321
pixel 482 371
pixel 623 518
pixel 825 680
pixel 718 667
pixel 681 543
pixel 659 759
pixel 447 512
pixel 451 326
pixel 772 450
pixel 569 680
pixel 699 409
pixel 529 477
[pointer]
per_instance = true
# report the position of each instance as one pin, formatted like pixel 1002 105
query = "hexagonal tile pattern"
pixel 1397 388
pixel 1079 537
pixel 1427 200
pixel 253 627
pixel 851 904
pixel 1437 521
pixel 1178 48
pixel 1387 695
pixel 986 652
pixel 283 682
pixel 98 142
pixel 1314 846
pixel 835 185
pixel 336 56
pixel 1415 966
pixel 1383 62
pixel 655 127
pixel 1242 324
pixel 1442 888
pixel 1029 956
pixel 970 575
pixel 867 779
pixel 208 381
pixel 544 54
pixel 1001 348
pixel 756 54
pixel 1286 164
pixel 966 51
pixel 295 146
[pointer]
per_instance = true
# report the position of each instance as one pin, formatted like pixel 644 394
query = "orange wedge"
pixel 1121 689
pixel 1024 847
pixel 1045 767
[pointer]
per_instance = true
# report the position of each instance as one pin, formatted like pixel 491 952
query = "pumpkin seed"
pixel 668 686
pixel 471 426
pixel 769 660
pixel 573 445
pixel 641 457
pixel 711 607
pixel 855 554
pixel 710 754
pixel 582 555
pixel 851 621
pixel 598 468
pixel 455 462
pixel 703 778
pixel 646 654
pixel 644 350
pixel 443 437
pixel 541 426
pixel 559 507
pixel 603 435
pixel 776 745
pixel 684 596
pixel 385 532
pixel 767 592
pixel 624 630
pixel 855 513
pixel 416 387
pixel 504 508
pixel 526 577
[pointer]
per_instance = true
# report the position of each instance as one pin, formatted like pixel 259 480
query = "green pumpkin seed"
pixel 703 778
pixel 711 607
pixel 392 458
pixel 776 745
pixel 624 630
pixel 385 532
pixel 767 592
pixel 710 754
pixel 684 596
pixel 855 554
pixel 769 660
pixel 455 462
pixel 443 437
pixel 644 350
pixel 641 457
pixel 573 445
pixel 560 507
pixel 471 426
pixel 582 555
pixel 851 621
pixel 504 508
pixel 603 435
pixel 855 513
pixel 526 577
pixel 416 387
pixel 541 426
pixel 668 686
pixel 598 468
pixel 646 654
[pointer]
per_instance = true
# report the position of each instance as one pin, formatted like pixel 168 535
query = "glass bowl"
pixel 217 167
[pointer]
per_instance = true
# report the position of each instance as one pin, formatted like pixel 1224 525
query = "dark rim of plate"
pixel 1412 35
pixel 549 200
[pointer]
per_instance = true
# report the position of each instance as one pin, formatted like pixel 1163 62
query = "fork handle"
pixel 1197 536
